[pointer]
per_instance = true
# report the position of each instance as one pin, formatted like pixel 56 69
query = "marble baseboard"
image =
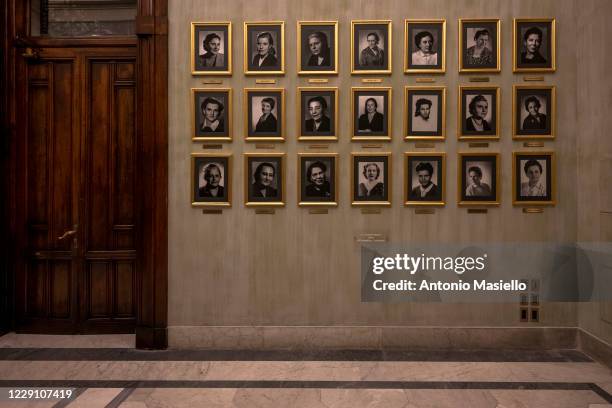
pixel 369 337
pixel 596 348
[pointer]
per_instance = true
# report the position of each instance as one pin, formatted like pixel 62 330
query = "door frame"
pixel 152 172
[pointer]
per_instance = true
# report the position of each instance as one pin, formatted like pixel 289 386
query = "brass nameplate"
pixel 318 146
pixel 533 144
pixel 212 82
pixel 424 211
pixel 264 211
pixel 212 211
pixel 479 144
pixel 212 146
pixel 532 78
pixel 424 145
pixel 318 81
pixel 370 210
pixel 265 81
pixel 318 211
pixel 371 80
pixel 477 211
pixel 532 210
pixel 265 146
pixel 371 238
pixel 371 146
pixel 480 79
pixel 425 80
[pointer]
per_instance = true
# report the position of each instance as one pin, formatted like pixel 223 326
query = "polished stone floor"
pixel 106 371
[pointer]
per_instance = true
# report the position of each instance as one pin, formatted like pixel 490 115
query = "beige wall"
pixel 594 150
pixel 295 268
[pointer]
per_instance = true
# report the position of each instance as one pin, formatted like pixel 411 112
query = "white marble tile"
pixel 180 397
pixel 95 397
pixel 351 398
pixel 275 398
pixel 545 398
pixel 14 340
pixel 450 399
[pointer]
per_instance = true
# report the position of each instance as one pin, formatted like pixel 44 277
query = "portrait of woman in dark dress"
pixel 478 108
pixel 319 50
pixel 532 41
pixel 371 120
pixel 267 122
pixel 266 53
pixel 535 120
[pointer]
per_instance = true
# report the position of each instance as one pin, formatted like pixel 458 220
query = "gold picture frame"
pixel 551 111
pixel 356 190
pixel 551 179
pixel 333 178
pixel 517 64
pixel 490 68
pixel 249 199
pixel 409 199
pixel 410 133
pixel 333 49
pixel 371 93
pixel 266 135
pixel 387 50
pixel 409 66
pixel 198 135
pixel 492 199
pixel 198 196
pixel 266 26
pixel 214 26
pixel 463 133
pixel 332 123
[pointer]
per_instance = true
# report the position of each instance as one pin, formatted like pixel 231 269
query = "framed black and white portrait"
pixel 211 114
pixel 371 47
pixel 424 179
pixel 211 48
pixel 534 45
pixel 478 179
pixel 533 178
pixel 424 46
pixel 211 180
pixel 424 112
pixel 264 179
pixel 533 112
pixel 479 112
pixel 371 179
pixel 264 48
pixel 318 179
pixel 317 47
pixel 479 45
pixel 264 114
pixel 317 113
pixel 371 113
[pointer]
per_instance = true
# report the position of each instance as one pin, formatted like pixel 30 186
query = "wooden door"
pixel 77 182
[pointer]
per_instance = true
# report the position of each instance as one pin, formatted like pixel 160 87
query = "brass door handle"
pixel 66 235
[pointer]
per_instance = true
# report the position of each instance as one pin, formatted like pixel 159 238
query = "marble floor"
pixel 106 372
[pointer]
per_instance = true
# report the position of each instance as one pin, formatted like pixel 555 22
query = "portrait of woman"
pixel 479 42
pixel 533 111
pixel 532 178
pixel 370 50
pixel 210 179
pixel 264 178
pixel 479 112
pixel 425 53
pixel 267 122
pixel 422 121
pixel 371 120
pixel 211 48
pixel 264 113
pixel 534 45
pixel 479 179
pixel 211 113
pixel 264 48
pixel 371 178
pixel 424 178
pixel 317 182
pixel 424 46
pixel 317 53
pixel 317 112
pixel 424 108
